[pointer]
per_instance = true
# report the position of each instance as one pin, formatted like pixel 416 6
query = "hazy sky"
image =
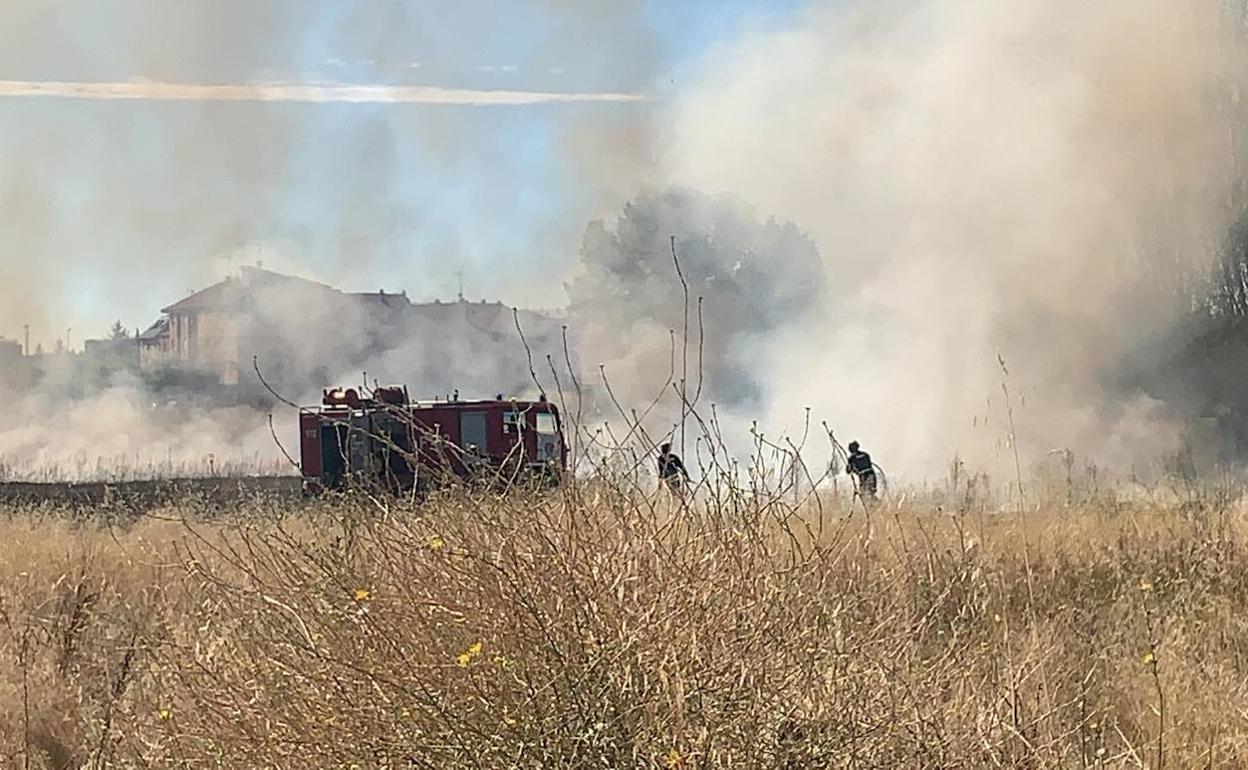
pixel 1022 179
pixel 114 207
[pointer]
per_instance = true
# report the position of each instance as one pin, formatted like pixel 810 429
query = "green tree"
pixel 118 332
pixel 752 277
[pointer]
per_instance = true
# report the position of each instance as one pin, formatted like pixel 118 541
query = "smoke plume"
pixel 1036 180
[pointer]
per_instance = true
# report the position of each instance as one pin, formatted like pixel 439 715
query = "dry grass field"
pixel 601 627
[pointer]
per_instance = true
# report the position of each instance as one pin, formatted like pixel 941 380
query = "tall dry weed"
pixel 601 627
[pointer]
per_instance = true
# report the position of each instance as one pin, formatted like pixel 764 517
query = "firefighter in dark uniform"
pixel 671 470
pixel 859 465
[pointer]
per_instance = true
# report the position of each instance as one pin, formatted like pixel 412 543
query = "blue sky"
pixel 112 209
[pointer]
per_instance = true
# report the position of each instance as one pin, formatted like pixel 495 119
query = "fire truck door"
pixel 334 454
pixel 549 446
pixel 472 431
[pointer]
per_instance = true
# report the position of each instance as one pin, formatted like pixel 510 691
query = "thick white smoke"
pixel 1036 178
pixel 118 434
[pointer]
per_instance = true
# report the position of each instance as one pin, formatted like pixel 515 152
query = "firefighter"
pixel 859 466
pixel 474 462
pixel 671 470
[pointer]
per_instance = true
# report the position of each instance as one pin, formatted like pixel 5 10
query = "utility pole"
pixel 26 329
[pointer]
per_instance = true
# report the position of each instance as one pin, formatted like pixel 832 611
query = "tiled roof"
pixel 228 292
pixel 155 331
pixel 216 295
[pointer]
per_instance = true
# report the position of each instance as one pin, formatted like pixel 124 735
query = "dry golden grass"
pixel 598 628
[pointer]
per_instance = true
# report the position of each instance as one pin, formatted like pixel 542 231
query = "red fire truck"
pixel 384 438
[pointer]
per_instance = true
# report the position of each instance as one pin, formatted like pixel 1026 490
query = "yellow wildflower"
pixel 436 543
pixel 672 760
pixel 465 657
pixel 1149 657
pixel 363 594
pixel 1145 586
pixel 164 714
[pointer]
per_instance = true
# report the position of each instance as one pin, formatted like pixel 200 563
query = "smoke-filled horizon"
pixel 890 210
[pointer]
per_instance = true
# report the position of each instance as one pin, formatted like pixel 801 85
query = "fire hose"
pixel 840 458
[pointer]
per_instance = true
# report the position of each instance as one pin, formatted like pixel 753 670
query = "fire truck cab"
pixel 386 439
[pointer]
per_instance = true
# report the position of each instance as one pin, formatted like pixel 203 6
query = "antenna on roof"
pixel 460 275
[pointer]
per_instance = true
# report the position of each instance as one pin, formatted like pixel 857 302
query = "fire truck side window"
pixel 513 422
